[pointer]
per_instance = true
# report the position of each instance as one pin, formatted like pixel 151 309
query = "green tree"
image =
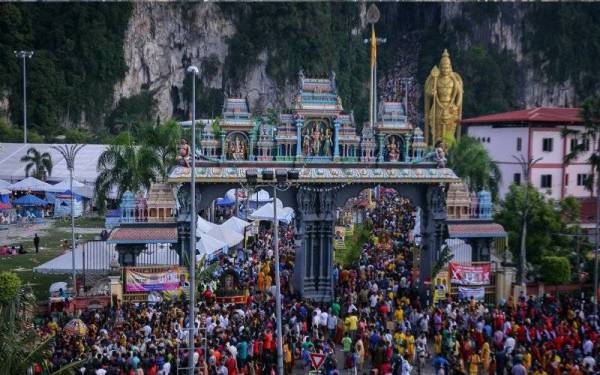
pixel 41 163
pixel 163 140
pixel 555 270
pixel 127 168
pixel 471 162
pixel 132 114
pixel 545 223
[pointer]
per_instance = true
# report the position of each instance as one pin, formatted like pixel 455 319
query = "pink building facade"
pixel 536 133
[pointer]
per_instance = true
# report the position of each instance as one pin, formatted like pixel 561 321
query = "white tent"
pixel 207 245
pixel 285 214
pixel 204 226
pixel 235 224
pixel 62 263
pixel 260 196
pixel 30 184
pixel 228 236
pixel 4 184
pixel 64 185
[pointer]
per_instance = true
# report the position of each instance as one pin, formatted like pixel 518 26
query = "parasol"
pixel 75 327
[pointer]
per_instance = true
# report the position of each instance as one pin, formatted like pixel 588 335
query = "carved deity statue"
pixel 443 101
pixel 392 148
pixel 327 143
pixel 184 153
pixel 306 143
pixel 317 138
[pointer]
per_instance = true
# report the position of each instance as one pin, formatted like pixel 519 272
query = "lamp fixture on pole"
pixel 24 55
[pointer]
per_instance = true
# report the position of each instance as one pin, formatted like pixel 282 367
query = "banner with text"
pixel 140 280
pixel 477 293
pixel 470 275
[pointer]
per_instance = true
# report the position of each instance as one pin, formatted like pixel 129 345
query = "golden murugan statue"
pixel 443 102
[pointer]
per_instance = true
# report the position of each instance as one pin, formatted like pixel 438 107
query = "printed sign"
pixel 470 275
pixel 140 280
pixel 317 360
pixel 466 293
pixel 441 286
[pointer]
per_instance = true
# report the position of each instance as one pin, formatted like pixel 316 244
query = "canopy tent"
pixel 285 214
pixel 4 184
pixel 208 245
pixel 5 206
pixel 260 196
pixel 204 226
pixel 30 184
pixel 102 262
pixel 225 202
pixel 30 200
pixel 235 224
pixel 64 185
pixel 4 195
pixel 231 238
pixel 62 205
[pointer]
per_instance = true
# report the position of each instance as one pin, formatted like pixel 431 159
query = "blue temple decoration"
pixel 128 207
pixel 485 204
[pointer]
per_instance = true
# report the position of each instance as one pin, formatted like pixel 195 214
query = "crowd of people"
pixel 378 322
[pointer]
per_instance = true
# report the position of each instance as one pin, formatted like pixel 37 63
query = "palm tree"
pixel 471 162
pixel 126 167
pixel 41 163
pixel 162 138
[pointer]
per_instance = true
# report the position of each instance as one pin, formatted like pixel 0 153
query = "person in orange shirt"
pixel 261 281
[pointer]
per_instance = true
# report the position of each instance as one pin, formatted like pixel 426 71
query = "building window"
pixel 517 178
pixel 546 181
pixel 584 145
pixel 519 143
pixel 488 140
pixel 567 179
pixel 547 144
pixel 582 179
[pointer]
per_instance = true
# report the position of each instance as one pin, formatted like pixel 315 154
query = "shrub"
pixel 10 284
pixel 555 270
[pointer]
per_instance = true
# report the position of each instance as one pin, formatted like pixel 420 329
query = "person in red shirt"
pixel 268 341
pixel 231 365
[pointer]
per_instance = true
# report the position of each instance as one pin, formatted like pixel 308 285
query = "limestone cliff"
pixel 162 39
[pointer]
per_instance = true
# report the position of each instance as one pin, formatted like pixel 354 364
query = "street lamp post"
pixel 192 318
pixel 69 152
pixel 23 55
pixel 526 165
pixel 281 182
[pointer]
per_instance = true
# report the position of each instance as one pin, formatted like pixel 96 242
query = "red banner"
pixel 470 275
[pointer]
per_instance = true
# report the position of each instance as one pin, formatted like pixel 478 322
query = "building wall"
pixel 502 146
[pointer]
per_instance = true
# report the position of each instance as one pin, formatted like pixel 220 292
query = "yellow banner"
pixel 441 286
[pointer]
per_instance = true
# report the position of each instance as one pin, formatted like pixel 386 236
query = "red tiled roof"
pixel 539 115
pixel 476 230
pixel 147 234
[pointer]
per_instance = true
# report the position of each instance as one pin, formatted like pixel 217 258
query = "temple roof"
pixel 143 234
pixel 476 230
pixel 212 174
pixel 531 115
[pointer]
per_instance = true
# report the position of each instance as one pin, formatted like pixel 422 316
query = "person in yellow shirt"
pixel 474 362
pixel 437 344
pixel 527 361
pixel 287 358
pixel 351 323
pixel 399 315
pixel 485 356
pixel 410 348
pixel 539 370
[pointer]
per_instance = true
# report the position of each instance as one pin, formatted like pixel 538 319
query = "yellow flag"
pixel 373 47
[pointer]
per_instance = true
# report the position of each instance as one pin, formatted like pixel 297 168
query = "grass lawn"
pixel 80 222
pixel 23 265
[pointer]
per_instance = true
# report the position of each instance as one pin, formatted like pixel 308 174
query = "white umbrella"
pixel 228 236
pixel 207 245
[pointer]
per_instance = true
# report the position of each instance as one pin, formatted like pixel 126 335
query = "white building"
pixel 537 133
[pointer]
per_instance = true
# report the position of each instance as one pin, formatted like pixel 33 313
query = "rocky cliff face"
pixel 162 39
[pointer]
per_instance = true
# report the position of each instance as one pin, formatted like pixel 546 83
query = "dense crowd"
pixel 378 323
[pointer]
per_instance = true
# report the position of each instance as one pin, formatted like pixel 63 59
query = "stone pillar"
pixel 381 138
pixel 433 224
pixel 251 144
pixel 406 147
pixel 299 122
pixel 116 288
pixel 336 140
pixel 222 145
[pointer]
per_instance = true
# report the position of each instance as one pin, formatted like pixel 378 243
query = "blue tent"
pixel 30 200
pixel 225 201
pixel 75 195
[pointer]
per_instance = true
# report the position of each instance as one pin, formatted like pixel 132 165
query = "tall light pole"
pixel 23 55
pixel 281 182
pixel 192 318
pixel 372 18
pixel 526 165
pixel 69 152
